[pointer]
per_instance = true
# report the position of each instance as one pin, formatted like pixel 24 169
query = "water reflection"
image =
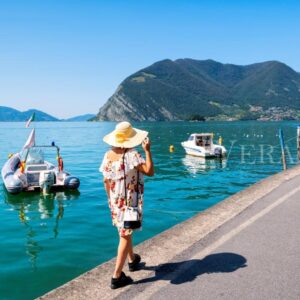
pixel 35 207
pixel 199 164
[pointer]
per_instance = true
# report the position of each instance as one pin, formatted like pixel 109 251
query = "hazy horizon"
pixel 67 58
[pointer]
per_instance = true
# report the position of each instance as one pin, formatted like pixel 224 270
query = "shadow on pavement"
pixel 185 271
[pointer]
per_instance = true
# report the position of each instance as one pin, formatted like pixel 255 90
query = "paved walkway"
pixel 254 256
pixel 245 247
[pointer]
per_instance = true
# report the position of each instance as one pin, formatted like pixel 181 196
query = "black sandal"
pixel 133 266
pixel 123 280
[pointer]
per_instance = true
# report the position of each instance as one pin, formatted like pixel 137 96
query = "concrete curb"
pixel 162 248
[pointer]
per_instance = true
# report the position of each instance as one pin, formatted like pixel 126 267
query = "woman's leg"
pixel 130 250
pixel 123 249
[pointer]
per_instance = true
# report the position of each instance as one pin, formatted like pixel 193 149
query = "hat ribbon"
pixel 120 137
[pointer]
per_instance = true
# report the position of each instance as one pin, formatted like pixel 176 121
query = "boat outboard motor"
pixel 46 181
pixel 218 152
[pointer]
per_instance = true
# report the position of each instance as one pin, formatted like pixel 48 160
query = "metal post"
pixel 282 149
pixel 298 141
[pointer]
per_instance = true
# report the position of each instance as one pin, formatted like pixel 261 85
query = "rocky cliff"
pixel 180 89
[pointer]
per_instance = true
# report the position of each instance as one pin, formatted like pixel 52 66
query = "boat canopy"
pixel 202 139
pixel 202 134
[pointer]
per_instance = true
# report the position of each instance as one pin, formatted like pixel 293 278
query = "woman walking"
pixel 123 168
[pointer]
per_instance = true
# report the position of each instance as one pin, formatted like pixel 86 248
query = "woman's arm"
pixel 107 186
pixel 148 167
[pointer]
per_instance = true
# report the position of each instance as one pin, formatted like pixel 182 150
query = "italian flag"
pixel 31 119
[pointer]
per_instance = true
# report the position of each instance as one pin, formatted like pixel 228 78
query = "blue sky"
pixel 67 57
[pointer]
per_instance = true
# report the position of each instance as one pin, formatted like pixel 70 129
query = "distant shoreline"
pixel 160 121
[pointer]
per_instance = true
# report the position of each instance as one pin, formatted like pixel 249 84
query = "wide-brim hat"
pixel 125 136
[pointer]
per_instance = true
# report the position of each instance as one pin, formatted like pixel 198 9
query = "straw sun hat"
pixel 125 136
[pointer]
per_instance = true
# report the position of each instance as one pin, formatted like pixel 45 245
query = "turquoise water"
pixel 47 241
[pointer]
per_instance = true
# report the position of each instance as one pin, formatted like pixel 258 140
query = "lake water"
pixel 46 241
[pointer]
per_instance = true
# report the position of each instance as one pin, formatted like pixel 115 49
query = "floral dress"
pixel 114 171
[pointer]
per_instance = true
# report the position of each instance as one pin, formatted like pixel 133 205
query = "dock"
pixel 245 247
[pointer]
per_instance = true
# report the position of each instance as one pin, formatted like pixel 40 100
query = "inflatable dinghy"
pixel 28 171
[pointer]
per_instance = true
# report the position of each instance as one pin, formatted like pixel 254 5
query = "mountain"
pixel 81 118
pixel 181 89
pixel 8 114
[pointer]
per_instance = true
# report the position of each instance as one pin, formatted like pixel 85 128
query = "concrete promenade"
pixel 246 247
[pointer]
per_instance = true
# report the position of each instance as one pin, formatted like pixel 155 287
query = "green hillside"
pixel 177 90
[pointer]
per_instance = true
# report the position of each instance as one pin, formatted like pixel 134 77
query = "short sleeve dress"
pixel 119 174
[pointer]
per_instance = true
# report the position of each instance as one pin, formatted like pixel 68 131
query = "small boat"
pixel 201 144
pixel 27 170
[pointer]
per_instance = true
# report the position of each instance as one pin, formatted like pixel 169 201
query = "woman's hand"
pixel 146 144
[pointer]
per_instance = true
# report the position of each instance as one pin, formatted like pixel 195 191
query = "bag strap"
pixel 125 189
pixel 137 186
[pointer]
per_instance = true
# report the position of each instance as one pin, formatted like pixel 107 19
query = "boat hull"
pixel 217 151
pixel 11 181
pixel 72 182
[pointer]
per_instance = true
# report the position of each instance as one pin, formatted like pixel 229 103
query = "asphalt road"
pixel 254 256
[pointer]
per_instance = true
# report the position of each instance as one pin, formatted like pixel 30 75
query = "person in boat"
pixel 123 168
pixel 199 142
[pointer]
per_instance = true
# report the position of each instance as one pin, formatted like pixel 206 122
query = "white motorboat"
pixel 201 144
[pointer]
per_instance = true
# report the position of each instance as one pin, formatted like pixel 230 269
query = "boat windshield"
pixel 203 140
pixel 35 156
pixel 40 154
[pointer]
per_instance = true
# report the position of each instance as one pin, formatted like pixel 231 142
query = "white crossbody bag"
pixel 131 215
